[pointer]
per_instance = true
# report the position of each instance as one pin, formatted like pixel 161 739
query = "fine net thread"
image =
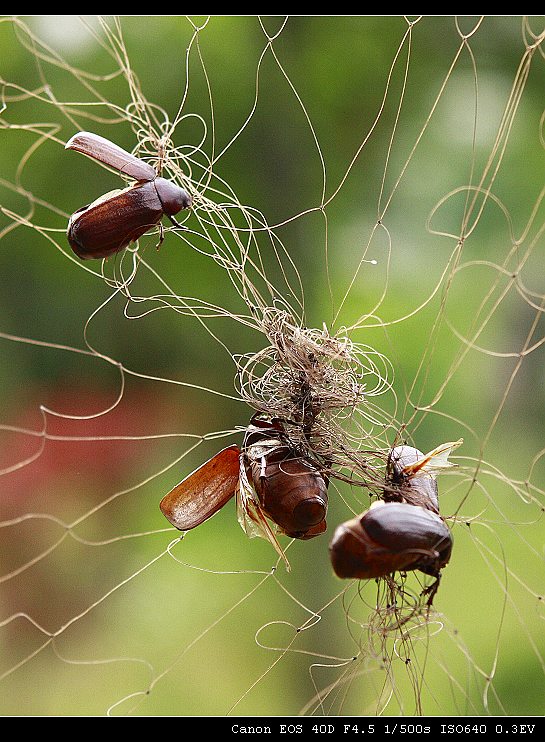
pixel 340 395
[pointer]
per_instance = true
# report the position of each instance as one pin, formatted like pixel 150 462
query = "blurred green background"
pixel 209 632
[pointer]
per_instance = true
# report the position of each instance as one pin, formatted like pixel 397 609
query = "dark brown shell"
pixel 106 226
pixel 291 490
pixel 390 537
pixel 292 493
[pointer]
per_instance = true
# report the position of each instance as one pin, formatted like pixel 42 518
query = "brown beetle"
pixel 390 537
pixel 410 474
pixel 405 531
pixel 120 217
pixel 271 480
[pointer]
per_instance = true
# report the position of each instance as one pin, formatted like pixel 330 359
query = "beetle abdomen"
pixel 294 495
pixel 390 537
pixel 113 221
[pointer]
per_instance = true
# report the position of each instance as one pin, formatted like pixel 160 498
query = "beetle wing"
pixel 251 516
pixel 111 155
pixel 203 492
pixel 434 461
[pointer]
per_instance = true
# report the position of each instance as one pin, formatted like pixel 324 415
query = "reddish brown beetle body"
pixel 291 491
pixel 271 480
pixel 404 531
pixel 390 537
pixel 116 219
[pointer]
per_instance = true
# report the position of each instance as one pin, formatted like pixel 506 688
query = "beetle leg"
pixel 431 590
pixel 177 224
pixel 161 236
